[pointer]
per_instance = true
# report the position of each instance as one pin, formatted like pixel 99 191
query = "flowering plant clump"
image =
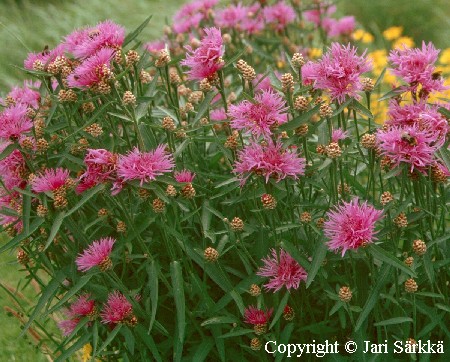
pixel 173 201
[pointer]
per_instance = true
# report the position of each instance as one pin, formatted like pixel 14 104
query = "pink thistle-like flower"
pixel 50 180
pixel 338 71
pixel 342 26
pixel 282 270
pixel 410 144
pixel 338 134
pixel 254 22
pixel 316 15
pixel 97 254
pixel 145 166
pixel 351 225
pixel 155 46
pixel 86 42
pixel 206 60
pixel 190 15
pixel 262 83
pixel 68 326
pixel 92 70
pixel 416 66
pixel 117 309
pixel 269 160
pixel 101 166
pixel 14 122
pixel 45 57
pixel 82 307
pixel 255 316
pixel 26 95
pixel 280 14
pixel 184 176
pixel 258 117
pixel 218 115
pixel 12 168
pixel 231 16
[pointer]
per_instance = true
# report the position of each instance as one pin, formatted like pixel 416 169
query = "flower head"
pixel 342 26
pixel 280 14
pixel 416 66
pixel 97 254
pixel 184 176
pixel 338 71
pixel 258 117
pixel 101 166
pixel 67 326
pixel 83 306
pixel 12 168
pixel 93 70
pixel 255 316
pixel 269 160
pixel 14 122
pixel 50 180
pixel 282 270
pixel 117 309
pixel 26 95
pixel 338 134
pixel 39 61
pixel 206 60
pixel 231 16
pixel 145 166
pixel 351 225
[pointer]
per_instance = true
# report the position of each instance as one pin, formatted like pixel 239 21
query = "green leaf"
pixel 381 254
pixel 443 307
pixel 22 236
pixel 86 197
pixel 373 297
pixel 55 228
pixel 148 341
pixel 178 295
pixel 136 32
pixel 393 93
pixel 238 332
pixel 319 256
pixel 358 107
pixel 297 121
pixel 444 111
pixel 203 107
pixel 109 339
pixel 73 348
pixel 141 109
pixel 203 350
pixel 390 321
pixel 26 212
pixel 220 320
pixel 8 150
pixel 380 78
pixel 152 272
pixel 234 58
pixel 280 309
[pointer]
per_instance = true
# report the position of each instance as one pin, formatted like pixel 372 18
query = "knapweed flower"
pixel 40 61
pixel 339 71
pixel 12 169
pixel 67 326
pixel 83 306
pixel 14 122
pixel 93 70
pixel 410 144
pixel 206 60
pixel 86 42
pixel 101 166
pixel 351 225
pixel 316 15
pixel 184 176
pixel 255 316
pixel 26 95
pixel 338 135
pixel 338 27
pixel 282 270
pixel 259 117
pixel 280 14
pixel 231 16
pixel 117 309
pixel 50 180
pixel 416 66
pixel 190 15
pixel 144 166
pixel 269 160
pixel 97 254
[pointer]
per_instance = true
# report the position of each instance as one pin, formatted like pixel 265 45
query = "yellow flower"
pixel 445 57
pixel 363 36
pixel 315 53
pixel 87 350
pixel 393 32
pixel 379 60
pixel 403 42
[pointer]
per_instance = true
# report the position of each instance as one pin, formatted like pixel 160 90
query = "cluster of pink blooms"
pixel 82 307
pixel 269 160
pixel 50 180
pixel 283 271
pixel 339 72
pixel 321 17
pixel 415 131
pixel 101 167
pixel 96 254
pixel 351 225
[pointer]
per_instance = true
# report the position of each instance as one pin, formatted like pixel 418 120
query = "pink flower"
pixel 184 176
pixel 14 122
pixel 68 326
pixel 12 168
pixel 97 254
pixel 86 42
pixel 342 26
pixel 26 95
pixel 259 116
pixel 316 15
pixel 280 14
pixel 145 166
pixel 338 71
pixel 93 70
pixel 257 316
pixel 254 21
pixel 83 306
pixel 338 134
pixel 51 180
pixel 416 66
pixel 101 166
pixel 262 83
pixel 231 16
pixel 409 144
pixel 218 115
pixel 117 309
pixel 270 160
pixel 190 15
pixel 351 225
pixel 155 46
pixel 282 270
pixel 44 58
pixel 206 60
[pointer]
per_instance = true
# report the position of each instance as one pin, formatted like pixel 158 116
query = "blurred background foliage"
pixel 30 25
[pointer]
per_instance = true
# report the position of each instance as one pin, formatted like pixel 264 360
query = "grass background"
pixel 27 26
